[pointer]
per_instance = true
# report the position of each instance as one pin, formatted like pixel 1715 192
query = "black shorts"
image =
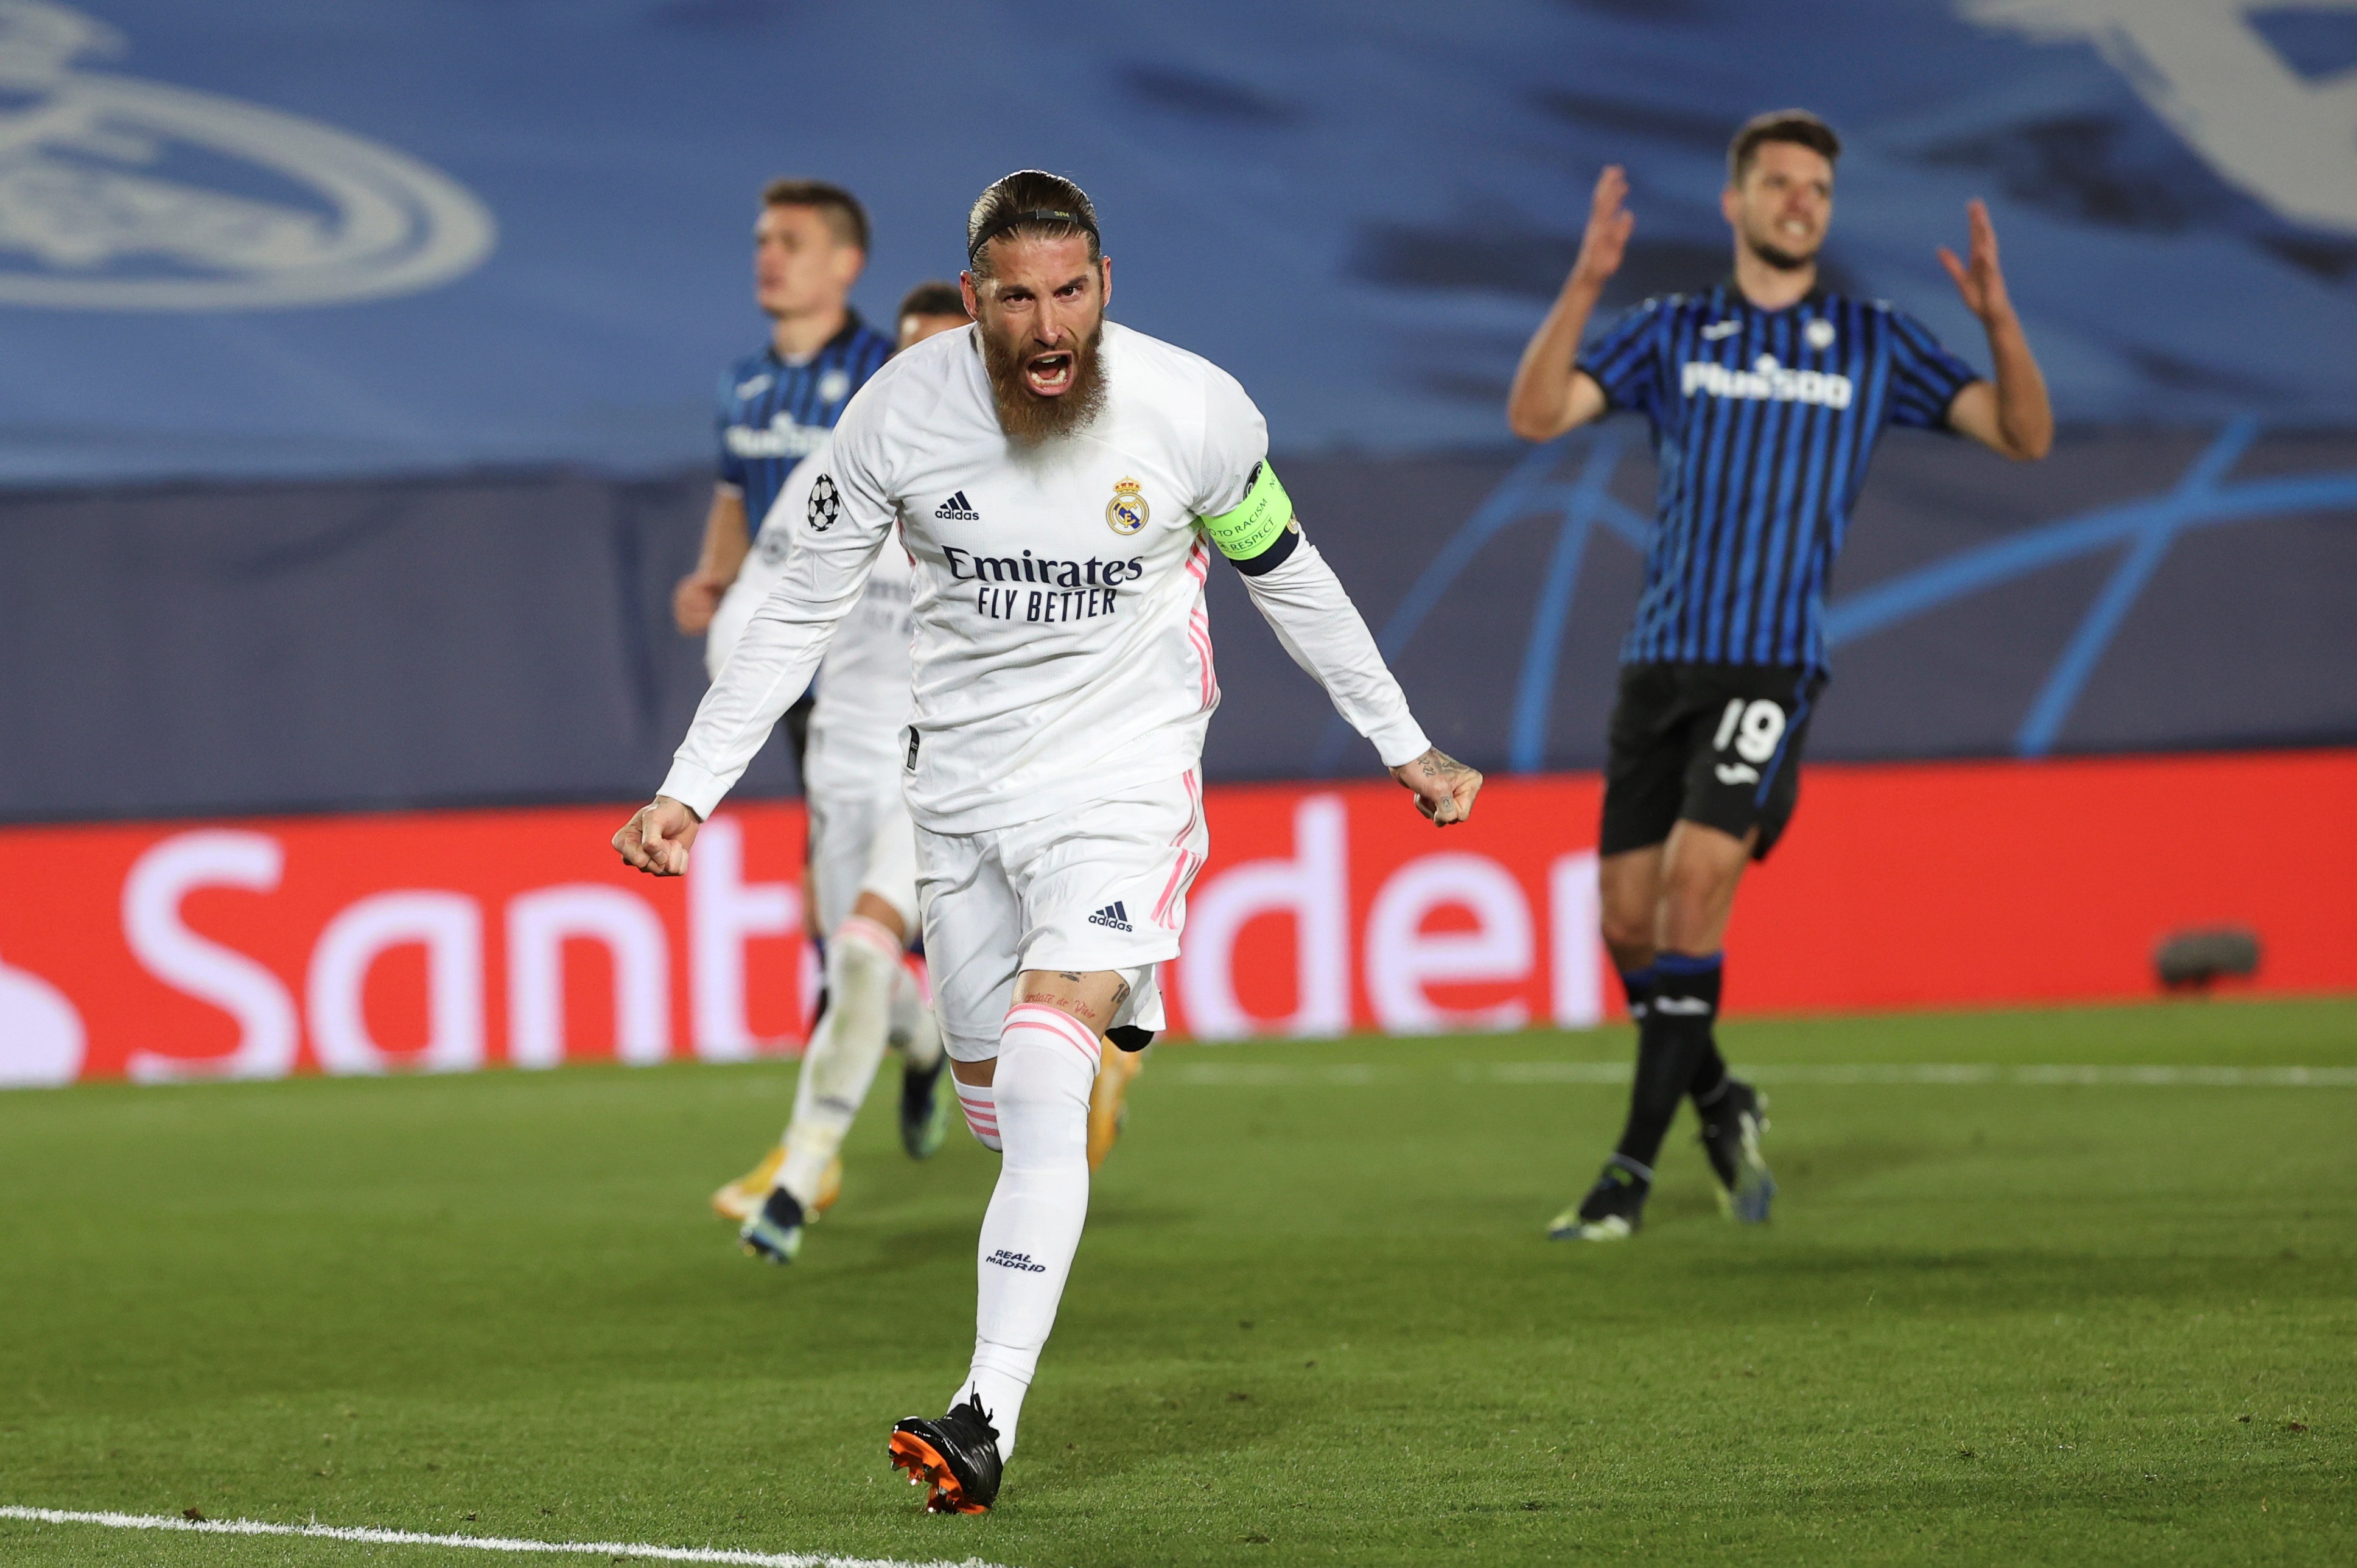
pixel 1715 744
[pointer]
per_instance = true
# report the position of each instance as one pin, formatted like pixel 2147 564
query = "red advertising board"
pixel 453 940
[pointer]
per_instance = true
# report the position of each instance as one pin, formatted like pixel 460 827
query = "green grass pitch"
pixel 1315 1318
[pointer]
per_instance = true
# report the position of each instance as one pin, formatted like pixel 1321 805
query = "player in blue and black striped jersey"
pixel 778 402
pixel 1766 394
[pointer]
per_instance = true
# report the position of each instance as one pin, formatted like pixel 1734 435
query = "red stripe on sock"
pixel 1055 1020
pixel 875 933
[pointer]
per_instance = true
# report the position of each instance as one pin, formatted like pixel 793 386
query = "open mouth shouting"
pixel 1044 393
pixel 1048 374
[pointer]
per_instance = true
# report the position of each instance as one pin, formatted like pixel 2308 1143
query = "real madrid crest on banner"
pixel 1127 511
pixel 118 193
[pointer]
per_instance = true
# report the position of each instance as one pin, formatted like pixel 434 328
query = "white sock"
pixel 844 1053
pixel 1047 1064
pixel 980 1103
pixel 916 1032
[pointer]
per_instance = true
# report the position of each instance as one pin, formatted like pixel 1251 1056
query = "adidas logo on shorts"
pixel 1112 917
pixel 957 509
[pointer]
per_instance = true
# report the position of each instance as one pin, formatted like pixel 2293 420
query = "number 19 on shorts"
pixel 1753 728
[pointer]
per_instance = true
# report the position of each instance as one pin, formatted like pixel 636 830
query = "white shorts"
pixel 861 843
pixel 1100 887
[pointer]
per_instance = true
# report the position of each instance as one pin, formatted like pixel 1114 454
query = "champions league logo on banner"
pixel 114 194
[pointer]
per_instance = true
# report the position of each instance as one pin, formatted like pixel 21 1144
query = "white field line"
pixel 1274 1075
pixel 610 1549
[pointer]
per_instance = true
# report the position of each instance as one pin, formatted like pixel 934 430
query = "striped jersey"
pixel 1763 421
pixel 774 413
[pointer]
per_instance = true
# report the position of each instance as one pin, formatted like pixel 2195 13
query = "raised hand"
pixel 1606 238
pixel 1444 787
pixel 1979 281
pixel 655 840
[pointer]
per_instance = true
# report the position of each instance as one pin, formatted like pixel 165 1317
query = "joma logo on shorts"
pixel 1020 1262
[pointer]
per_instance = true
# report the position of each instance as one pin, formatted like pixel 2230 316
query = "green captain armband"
pixel 1250 528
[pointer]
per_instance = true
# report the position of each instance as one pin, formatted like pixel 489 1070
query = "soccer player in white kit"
pixel 862 863
pixel 1061 482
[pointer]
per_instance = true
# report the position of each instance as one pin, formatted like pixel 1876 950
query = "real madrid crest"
pixel 1127 511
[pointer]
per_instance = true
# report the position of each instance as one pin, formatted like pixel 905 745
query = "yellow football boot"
pixel 1115 1069
pixel 742 1199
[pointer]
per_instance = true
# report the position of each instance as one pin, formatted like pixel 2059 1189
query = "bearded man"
pixel 1766 395
pixel 1061 482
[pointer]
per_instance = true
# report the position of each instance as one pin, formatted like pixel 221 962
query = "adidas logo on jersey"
pixel 1112 917
pixel 957 509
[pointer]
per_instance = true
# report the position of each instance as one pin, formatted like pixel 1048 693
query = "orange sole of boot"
pixel 925 1465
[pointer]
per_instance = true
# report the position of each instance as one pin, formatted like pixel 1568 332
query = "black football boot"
pixel 958 1454
pixel 1731 1126
pixel 1613 1209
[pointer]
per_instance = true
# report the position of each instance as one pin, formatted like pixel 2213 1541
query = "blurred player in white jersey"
pixel 1061 482
pixel 863 864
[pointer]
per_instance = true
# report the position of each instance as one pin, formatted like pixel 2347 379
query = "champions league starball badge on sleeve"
pixel 825 504
pixel 1127 511
pixel 108 199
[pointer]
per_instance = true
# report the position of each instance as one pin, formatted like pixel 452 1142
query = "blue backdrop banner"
pixel 267 646
pixel 252 238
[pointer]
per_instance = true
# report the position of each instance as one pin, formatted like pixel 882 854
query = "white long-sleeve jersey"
pixel 1062 652
pixel 859 723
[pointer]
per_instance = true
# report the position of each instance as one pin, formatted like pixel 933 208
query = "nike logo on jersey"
pixel 1112 917
pixel 755 387
pixel 957 509
pixel 1713 332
